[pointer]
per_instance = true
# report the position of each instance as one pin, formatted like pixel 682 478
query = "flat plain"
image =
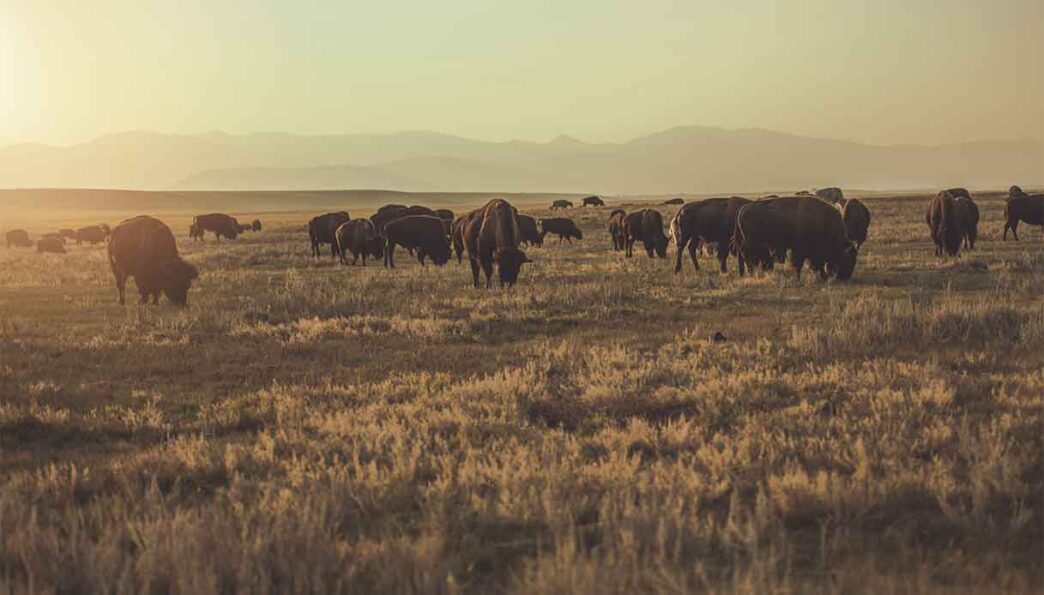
pixel 304 426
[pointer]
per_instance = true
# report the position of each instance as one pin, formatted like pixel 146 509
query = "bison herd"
pixel 823 229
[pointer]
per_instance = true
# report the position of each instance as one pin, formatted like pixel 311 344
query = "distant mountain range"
pixel 679 160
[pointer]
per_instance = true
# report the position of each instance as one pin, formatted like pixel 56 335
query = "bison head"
pixel 1014 192
pixel 176 276
pixel 846 262
pixel 661 246
pixel 577 233
pixel 509 264
pixel 376 246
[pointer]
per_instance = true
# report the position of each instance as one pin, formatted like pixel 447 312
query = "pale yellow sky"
pixel 880 71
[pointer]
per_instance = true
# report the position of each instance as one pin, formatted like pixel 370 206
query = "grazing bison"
pixel 92 234
pixel 942 223
pixel 645 226
pixel 831 195
pixel 144 248
pixel 18 238
pixel 561 204
pixel 389 213
pixel 561 227
pixel 423 233
pixel 491 235
pixel 457 235
pixel 857 220
pixel 616 228
pixel 220 224
pixel 53 244
pixel 322 229
pixel 359 237
pixel 593 201
pixel 69 234
pixel 255 225
pixel 528 232
pixel 810 228
pixel 966 213
pixel 54 236
pixel 712 220
pixel 1028 208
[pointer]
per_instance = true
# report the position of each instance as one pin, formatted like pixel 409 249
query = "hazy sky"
pixel 883 71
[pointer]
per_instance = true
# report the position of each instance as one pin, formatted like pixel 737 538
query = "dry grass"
pixel 310 428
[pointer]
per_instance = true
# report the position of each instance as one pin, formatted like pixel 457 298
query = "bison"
pixel 645 226
pixel 255 225
pixel 593 201
pixel 69 234
pixel 53 244
pixel 220 224
pixel 359 237
pixel 561 204
pixel 712 220
pixel 92 234
pixel 423 233
pixel 857 220
pixel 491 235
pixel 322 229
pixel 810 228
pixel 674 201
pixel 389 213
pixel 457 235
pixel 966 213
pixel 529 233
pixel 616 228
pixel 18 238
pixel 1020 206
pixel 561 227
pixel 144 248
pixel 942 223
pixel 831 195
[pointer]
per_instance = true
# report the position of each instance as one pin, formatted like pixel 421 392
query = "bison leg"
pixel 1015 229
pixel 389 255
pixel 474 271
pixel 682 241
pixel 629 247
pixel 723 256
pixel 121 286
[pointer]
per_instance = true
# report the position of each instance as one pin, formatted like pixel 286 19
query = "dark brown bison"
pixel 423 233
pixel 389 213
pixel 562 204
pixel 942 223
pixel 832 195
pixel 645 226
pixel 1028 208
pixel 144 248
pixel 810 228
pixel 593 201
pixel 529 233
pixel 255 225
pixel 457 235
pixel 93 234
pixel 966 213
pixel 18 238
pixel 491 235
pixel 220 224
pixel 616 228
pixel 561 227
pixel 857 220
pixel 53 244
pixel 712 220
pixel 322 229
pixel 69 234
pixel 359 237
pixel 674 201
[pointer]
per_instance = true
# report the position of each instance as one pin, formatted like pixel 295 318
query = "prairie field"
pixel 308 427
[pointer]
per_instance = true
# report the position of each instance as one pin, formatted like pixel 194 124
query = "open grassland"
pixel 308 427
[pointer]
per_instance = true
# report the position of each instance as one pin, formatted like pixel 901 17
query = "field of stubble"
pixel 306 427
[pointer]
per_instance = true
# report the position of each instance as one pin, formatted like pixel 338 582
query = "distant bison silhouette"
pixel 18 238
pixel 593 201
pixel 645 226
pixel 857 220
pixel 255 225
pixel 423 233
pixel 220 224
pixel 144 248
pixel 562 227
pixel 966 213
pixel 708 221
pixel 491 235
pixel 69 234
pixel 561 204
pixel 322 230
pixel 616 228
pixel 359 237
pixel 528 231
pixel 674 201
pixel 942 224
pixel 1028 208
pixel 93 234
pixel 53 244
